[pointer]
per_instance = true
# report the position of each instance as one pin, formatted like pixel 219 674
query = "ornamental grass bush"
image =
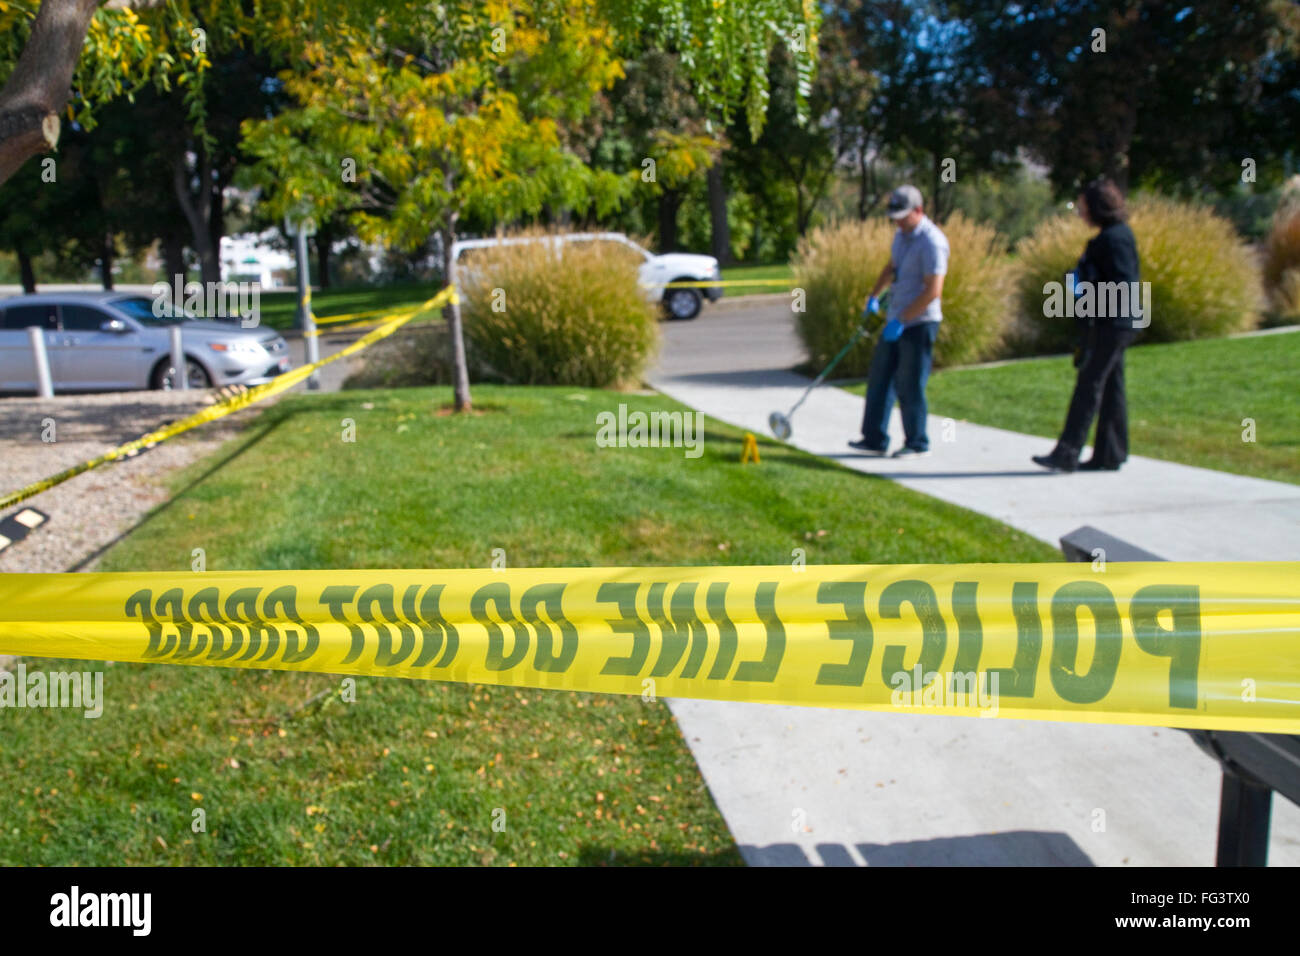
pixel 535 315
pixel 837 265
pixel 1205 281
pixel 1282 263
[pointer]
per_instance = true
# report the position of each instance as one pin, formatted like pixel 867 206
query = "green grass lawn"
pixel 780 270
pixel 280 309
pixel 1186 401
pixel 413 771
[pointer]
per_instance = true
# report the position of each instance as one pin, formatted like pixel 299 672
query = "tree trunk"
pixel 174 257
pixel 720 234
pixel 452 313
pixel 868 190
pixel 106 257
pixel 670 200
pixel 935 212
pixel 210 264
pixel 324 239
pixel 216 200
pixel 198 212
pixel 37 90
pixel 26 270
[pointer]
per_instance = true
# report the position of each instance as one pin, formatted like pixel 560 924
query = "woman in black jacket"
pixel 1110 256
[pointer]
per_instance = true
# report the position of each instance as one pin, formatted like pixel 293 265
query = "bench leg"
pixel 1244 812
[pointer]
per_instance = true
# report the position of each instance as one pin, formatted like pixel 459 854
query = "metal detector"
pixel 779 423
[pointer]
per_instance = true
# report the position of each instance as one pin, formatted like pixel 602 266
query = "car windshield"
pixel 142 310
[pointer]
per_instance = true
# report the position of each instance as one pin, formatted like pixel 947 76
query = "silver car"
pixel 99 341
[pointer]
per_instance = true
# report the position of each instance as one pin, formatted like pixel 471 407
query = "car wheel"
pixel 164 376
pixel 683 303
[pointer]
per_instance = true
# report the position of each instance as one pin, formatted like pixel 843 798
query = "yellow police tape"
pixel 221 409
pixel 1178 645
pixel 347 327
pixel 349 316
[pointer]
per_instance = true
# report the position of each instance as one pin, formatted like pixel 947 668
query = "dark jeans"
pixel 899 370
pixel 1099 393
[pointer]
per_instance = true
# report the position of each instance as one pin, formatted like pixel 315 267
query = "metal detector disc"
pixel 780 425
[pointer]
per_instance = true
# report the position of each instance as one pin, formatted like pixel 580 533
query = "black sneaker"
pixel 862 446
pixel 906 452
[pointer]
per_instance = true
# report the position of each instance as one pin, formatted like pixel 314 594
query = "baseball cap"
pixel 903 200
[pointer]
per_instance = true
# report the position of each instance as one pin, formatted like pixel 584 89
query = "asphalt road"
pixel 748 333
pixel 332 376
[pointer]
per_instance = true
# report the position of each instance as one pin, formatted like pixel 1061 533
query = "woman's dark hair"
pixel 1105 202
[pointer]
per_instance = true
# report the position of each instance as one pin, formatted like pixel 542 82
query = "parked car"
pixel 654 273
pixel 102 341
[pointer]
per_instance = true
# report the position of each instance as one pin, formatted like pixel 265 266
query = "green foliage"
pixel 1282 263
pixel 1204 279
pixel 838 265
pixel 1013 204
pixel 1181 93
pixel 468 114
pixel 651 116
pixel 1252 212
pixel 580 318
pixel 407 146
pixel 724 47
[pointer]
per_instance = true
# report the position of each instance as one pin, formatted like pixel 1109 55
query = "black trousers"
pixel 1099 394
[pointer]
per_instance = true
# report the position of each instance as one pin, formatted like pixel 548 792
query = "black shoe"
pixel 1054 462
pixel 862 446
pixel 1093 465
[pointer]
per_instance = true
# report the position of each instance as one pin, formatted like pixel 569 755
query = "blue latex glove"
pixel 873 306
pixel 892 331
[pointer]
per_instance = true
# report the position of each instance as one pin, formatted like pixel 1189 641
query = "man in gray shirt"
pixel 900 365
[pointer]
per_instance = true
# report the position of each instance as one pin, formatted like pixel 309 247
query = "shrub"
pixel 1282 263
pixel 1046 255
pixel 837 265
pixel 976 294
pixel 576 318
pixel 1204 279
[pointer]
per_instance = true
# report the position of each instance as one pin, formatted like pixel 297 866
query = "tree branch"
pixel 38 88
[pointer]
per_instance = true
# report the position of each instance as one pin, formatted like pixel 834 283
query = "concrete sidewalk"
pixel 825 787
pixel 988 470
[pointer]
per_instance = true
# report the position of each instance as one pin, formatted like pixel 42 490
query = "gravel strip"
pixel 93 509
